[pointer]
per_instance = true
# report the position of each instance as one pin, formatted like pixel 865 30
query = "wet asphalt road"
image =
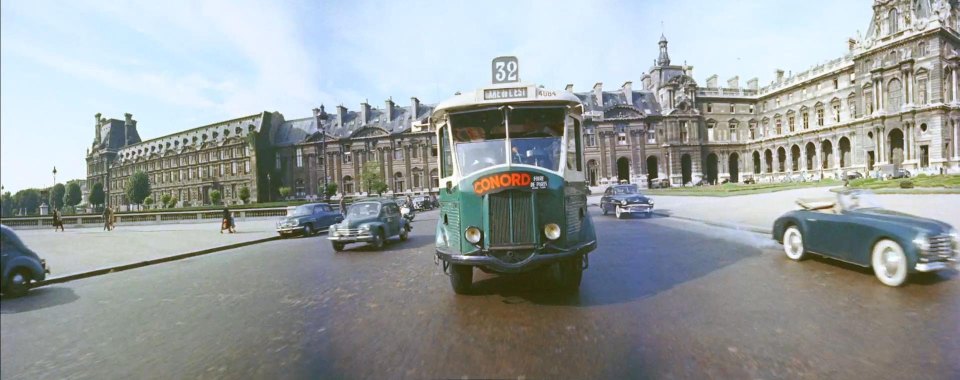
pixel 663 298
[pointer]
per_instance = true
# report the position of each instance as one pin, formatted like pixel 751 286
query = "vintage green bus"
pixel 512 191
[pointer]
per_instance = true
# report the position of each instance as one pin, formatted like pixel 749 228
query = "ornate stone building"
pixel 891 100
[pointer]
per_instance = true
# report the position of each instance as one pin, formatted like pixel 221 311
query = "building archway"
pixel 826 149
pixel 686 169
pixel 795 158
pixel 592 172
pixel 712 163
pixel 811 155
pixel 895 146
pixel 623 169
pixel 781 159
pixel 653 167
pixel 844 152
pixel 734 165
pixel 768 157
pixel 756 162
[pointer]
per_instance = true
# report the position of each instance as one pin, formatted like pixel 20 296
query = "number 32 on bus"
pixel 512 185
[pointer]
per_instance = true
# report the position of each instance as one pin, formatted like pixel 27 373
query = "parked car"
pixel 749 181
pixel 422 203
pixel 852 175
pixel 900 173
pixel 307 219
pixel 19 265
pixel 370 221
pixel 659 183
pixel 855 229
pixel 624 200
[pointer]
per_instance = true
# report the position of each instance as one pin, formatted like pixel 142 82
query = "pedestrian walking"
pixel 227 223
pixel 57 221
pixel 343 205
pixel 107 219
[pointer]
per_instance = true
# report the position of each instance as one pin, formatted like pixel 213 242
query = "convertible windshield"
pixel 857 200
pixel 620 190
pixel 536 137
pixel 363 210
pixel 303 210
pixel 479 139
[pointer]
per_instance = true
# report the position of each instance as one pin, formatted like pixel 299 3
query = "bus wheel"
pixel 461 278
pixel 571 271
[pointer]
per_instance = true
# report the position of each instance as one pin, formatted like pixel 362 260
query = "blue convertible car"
pixel 855 229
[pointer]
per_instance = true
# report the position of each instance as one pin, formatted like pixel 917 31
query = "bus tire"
pixel 461 278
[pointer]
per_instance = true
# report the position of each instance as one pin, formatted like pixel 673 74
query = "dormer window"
pixel 892 21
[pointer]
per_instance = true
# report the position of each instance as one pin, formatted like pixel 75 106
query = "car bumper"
pixel 547 255
pixel 636 208
pixel 351 239
pixel 290 230
pixel 937 265
pixel 46 268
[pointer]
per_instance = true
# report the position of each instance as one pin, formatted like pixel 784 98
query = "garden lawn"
pixel 734 189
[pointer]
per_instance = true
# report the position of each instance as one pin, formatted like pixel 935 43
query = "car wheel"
pixel 604 208
pixel 404 234
pixel 793 244
pixel 18 283
pixel 571 272
pixel 889 263
pixel 620 214
pixel 378 240
pixel 338 247
pixel 461 278
pixel 307 230
pixel 278 233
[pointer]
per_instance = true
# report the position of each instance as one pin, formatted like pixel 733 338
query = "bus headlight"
pixel 473 235
pixel 552 230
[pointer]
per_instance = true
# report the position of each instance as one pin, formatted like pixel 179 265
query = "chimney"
pixel 733 82
pixel 647 81
pixel 779 75
pixel 598 92
pixel 569 87
pixel 414 108
pixel 389 109
pixel 753 84
pixel 712 81
pixel 341 114
pixel 128 128
pixel 627 90
pixel 851 44
pixel 96 126
pixel 364 113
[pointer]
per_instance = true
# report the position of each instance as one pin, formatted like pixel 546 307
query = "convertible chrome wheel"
pixel 793 243
pixel 889 263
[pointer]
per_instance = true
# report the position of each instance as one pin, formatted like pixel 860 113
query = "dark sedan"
pixel 18 264
pixel 624 200
pixel 856 230
pixel 307 219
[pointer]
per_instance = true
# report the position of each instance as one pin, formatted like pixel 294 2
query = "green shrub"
pixel 906 184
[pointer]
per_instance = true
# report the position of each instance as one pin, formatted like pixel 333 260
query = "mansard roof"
pixel 296 131
pixel 643 101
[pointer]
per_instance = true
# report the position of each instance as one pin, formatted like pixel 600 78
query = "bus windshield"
pixel 478 139
pixel 536 136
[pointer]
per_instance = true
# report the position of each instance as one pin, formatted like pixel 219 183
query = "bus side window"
pixel 446 160
pixel 574 147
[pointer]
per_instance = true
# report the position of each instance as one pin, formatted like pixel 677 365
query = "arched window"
pixel 893 95
pixel 397 182
pixel 347 184
pixel 892 21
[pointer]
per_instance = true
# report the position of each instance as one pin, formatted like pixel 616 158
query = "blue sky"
pixel 180 64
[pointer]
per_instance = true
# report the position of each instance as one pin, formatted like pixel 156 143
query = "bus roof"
pixel 504 94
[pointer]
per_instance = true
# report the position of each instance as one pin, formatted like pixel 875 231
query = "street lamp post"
pixel 269 196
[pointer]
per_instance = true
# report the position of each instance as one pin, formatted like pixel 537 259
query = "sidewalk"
pixel 757 212
pixel 79 250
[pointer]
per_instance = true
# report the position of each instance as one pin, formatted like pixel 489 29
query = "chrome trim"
pixel 931 267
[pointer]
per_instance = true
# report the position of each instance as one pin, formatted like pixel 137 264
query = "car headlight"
pixel 921 242
pixel 955 237
pixel 473 235
pixel 333 231
pixel 552 230
pixel 623 202
pixel 295 222
pixel 364 228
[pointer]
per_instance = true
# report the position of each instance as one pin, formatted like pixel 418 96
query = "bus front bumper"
pixel 546 255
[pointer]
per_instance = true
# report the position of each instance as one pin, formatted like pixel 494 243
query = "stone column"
pixel 426 166
pixel 601 136
pixel 391 181
pixel 406 166
pixel 953 84
pixel 613 154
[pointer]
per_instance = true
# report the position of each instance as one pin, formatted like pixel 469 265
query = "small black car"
pixel 624 200
pixel 19 265
pixel 307 219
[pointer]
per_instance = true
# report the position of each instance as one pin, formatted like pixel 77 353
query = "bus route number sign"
pixel 506 70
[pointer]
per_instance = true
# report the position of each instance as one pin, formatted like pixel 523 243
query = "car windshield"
pixel 303 210
pixel 625 190
pixel 363 210
pixel 857 200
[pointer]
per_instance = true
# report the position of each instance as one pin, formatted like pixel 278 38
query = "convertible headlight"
pixel 552 230
pixel 473 235
pixel 922 242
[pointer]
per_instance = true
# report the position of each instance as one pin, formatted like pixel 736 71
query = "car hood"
pixel 630 198
pixel 357 222
pixel 927 225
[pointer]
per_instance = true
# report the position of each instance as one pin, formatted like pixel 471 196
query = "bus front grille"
pixel 511 219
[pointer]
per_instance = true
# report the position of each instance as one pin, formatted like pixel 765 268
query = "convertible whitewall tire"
pixel 889 263
pixel 793 244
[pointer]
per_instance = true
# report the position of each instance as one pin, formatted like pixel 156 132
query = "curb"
pixel 739 227
pixel 120 268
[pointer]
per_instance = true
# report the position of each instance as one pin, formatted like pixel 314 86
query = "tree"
pixel 28 200
pixel 97 196
pixel 165 200
pixel 372 179
pixel 284 192
pixel 245 194
pixel 57 194
pixel 7 205
pixel 74 196
pixel 173 202
pixel 138 188
pixel 148 201
pixel 330 191
pixel 215 196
